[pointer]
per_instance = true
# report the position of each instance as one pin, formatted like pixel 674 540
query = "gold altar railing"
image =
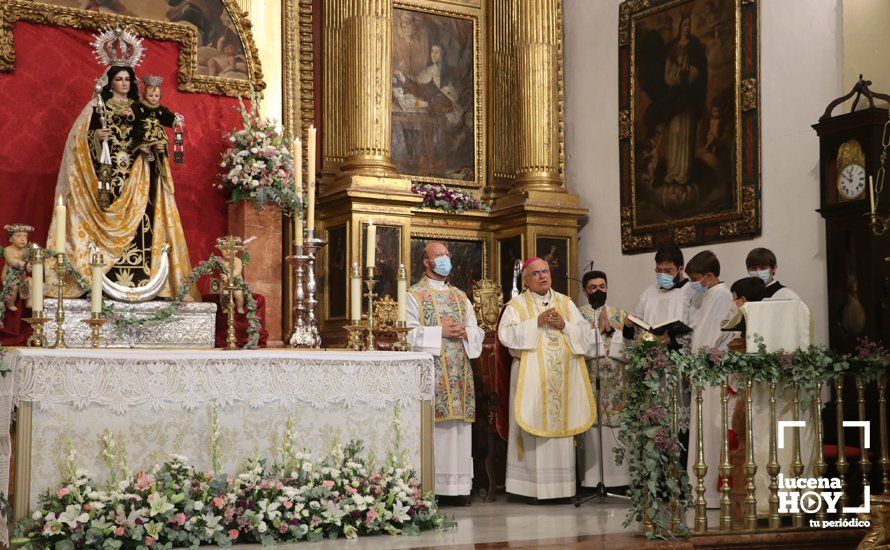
pixel 747 517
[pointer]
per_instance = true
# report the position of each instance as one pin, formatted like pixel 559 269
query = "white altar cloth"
pixel 159 402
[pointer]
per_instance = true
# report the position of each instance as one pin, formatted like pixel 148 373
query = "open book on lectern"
pixel 674 327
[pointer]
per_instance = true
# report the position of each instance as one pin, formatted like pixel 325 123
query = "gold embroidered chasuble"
pixel 113 230
pixel 554 397
pixel 455 392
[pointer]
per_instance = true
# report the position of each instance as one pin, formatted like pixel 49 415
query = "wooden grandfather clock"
pixel 857 244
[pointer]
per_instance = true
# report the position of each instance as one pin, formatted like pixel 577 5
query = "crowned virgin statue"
pixel 119 196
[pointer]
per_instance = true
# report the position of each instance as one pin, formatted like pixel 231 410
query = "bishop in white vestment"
pixel 446 327
pixel 551 399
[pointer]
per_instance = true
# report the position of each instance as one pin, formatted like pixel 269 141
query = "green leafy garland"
pixel 645 439
pixel 212 264
pixel 15 279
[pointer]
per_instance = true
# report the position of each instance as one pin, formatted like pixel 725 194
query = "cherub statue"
pixel 237 274
pixel 15 256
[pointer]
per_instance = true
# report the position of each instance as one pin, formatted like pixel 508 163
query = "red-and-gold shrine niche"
pixel 49 74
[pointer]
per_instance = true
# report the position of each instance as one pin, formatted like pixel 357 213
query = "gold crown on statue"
pixel 152 81
pixel 118 47
pixel 14 228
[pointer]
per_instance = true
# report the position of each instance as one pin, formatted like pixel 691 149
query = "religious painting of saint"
pixel 468 260
pixel 338 272
pixel 220 49
pixel 509 251
pixel 434 97
pixel 555 251
pixel 688 125
pixel 388 257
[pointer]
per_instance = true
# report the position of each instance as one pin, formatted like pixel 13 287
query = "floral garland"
pixel 174 505
pixel 15 278
pixel 646 442
pixel 449 200
pixel 258 165
pixel 213 263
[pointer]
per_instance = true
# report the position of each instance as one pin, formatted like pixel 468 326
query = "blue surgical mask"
pixel 764 275
pixel 442 266
pixel 665 281
pixel 698 287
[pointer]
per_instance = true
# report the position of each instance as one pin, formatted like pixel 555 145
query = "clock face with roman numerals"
pixel 851 183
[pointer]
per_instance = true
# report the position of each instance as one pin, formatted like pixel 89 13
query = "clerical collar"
pixel 437 285
pixel 543 299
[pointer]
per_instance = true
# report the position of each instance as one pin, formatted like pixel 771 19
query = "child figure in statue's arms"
pixel 149 137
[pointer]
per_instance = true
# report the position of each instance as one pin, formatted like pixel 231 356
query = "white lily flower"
pixel 72 516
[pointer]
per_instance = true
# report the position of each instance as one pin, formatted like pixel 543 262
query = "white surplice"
pixel 657 305
pixel 713 308
pixel 783 325
pixel 543 467
pixel 452 439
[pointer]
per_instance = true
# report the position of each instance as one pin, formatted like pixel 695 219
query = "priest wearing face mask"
pixel 446 327
pixel 606 321
pixel 550 397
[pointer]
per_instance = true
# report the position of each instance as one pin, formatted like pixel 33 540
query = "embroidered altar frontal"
pixel 160 402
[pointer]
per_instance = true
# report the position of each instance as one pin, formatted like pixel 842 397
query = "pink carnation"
pixel 218 502
pixel 149 541
pixel 119 532
pixel 62 492
pixel 328 483
pixel 233 534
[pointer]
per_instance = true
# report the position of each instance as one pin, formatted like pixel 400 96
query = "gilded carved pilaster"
pixel 538 111
pixel 503 98
pixel 367 56
pixel 334 142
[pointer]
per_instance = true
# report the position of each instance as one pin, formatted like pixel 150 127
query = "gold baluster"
pixel 819 467
pixel 841 453
pixel 750 465
pixel 772 467
pixel 796 468
pixel 885 448
pixel 700 468
pixel 725 466
pixel 864 462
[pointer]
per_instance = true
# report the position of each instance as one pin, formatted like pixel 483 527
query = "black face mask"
pixel 597 299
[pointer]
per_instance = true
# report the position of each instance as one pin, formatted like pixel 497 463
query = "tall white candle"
pixel 371 244
pixel 299 230
pixel 310 186
pixel 871 193
pixel 355 295
pixel 298 167
pixel 96 287
pixel 37 286
pixel 402 293
pixel 61 220
pixel 311 153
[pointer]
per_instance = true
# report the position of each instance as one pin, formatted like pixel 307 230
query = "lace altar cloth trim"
pixel 192 326
pixel 165 379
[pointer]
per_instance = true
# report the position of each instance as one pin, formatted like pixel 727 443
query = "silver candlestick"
pixel 311 246
pixel 302 336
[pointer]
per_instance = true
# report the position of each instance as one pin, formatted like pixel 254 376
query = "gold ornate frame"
pixel 476 237
pixel 744 221
pixel 187 37
pixel 476 15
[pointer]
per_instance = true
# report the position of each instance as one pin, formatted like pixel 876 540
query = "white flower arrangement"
pixel 174 505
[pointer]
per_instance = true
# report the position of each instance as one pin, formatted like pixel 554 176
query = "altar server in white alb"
pixel 761 262
pixel 712 304
pixel 446 327
pixel 550 399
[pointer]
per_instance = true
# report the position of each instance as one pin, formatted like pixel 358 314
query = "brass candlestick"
pixel 401 330
pixel 59 268
pixel 95 322
pixel 38 337
pixel 370 283
pixel 231 245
